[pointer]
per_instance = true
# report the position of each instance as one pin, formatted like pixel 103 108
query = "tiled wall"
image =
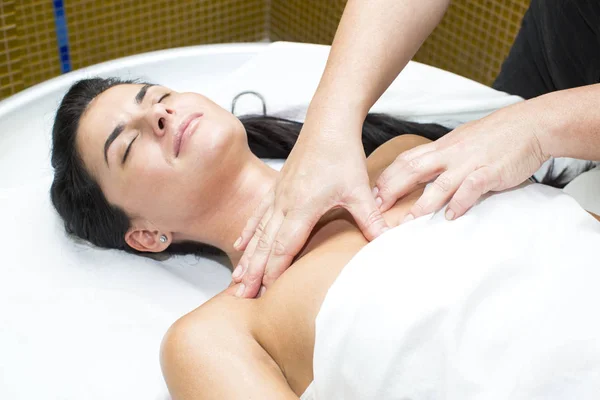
pixel 104 30
pixel 101 30
pixel 474 37
pixel 309 21
pixel 10 49
pixel 472 40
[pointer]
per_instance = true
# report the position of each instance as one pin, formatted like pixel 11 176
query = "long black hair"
pixel 87 214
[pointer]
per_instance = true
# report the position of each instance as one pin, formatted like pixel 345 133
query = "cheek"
pixel 164 193
pixel 149 167
pixel 148 184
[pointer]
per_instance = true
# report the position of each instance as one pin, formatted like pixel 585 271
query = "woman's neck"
pixel 233 205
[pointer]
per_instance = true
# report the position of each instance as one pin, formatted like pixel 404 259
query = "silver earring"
pixel 163 239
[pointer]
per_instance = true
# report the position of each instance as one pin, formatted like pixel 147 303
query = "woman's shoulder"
pixel 205 349
pixel 385 154
pixel 225 311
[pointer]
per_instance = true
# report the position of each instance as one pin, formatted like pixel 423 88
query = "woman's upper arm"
pixel 208 357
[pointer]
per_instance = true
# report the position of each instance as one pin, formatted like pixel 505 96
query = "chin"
pixel 216 141
pixel 213 152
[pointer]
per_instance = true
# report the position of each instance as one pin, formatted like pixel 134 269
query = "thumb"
pixel 367 215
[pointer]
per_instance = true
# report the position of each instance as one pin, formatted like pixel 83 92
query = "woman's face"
pixel 159 155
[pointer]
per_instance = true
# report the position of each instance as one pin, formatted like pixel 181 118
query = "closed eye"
pixel 130 143
pixel 127 150
pixel 164 96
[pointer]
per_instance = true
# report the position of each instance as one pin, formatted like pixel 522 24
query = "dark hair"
pixel 87 214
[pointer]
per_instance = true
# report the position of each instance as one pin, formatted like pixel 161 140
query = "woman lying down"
pixel 498 304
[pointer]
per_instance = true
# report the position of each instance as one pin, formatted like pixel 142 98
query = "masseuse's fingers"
pixel 248 231
pixel 266 233
pixel 290 239
pixel 475 185
pixel 296 228
pixel 495 153
pixel 238 271
pixel 242 267
pixel 437 193
pixel 246 258
pixel 405 173
pixel 367 215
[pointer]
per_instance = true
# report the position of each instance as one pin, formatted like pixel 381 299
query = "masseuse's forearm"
pixel 570 122
pixel 373 43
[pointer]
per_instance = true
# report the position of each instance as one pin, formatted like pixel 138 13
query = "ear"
pixel 146 241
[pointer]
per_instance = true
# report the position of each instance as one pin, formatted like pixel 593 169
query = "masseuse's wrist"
pixel 570 121
pixel 334 119
pixel 537 119
pixel 550 123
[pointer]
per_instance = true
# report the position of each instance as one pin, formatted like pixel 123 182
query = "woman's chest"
pixel 292 304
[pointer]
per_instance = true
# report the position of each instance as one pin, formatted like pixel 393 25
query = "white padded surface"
pixel 586 190
pixel 78 322
pixel 83 323
pixel 287 75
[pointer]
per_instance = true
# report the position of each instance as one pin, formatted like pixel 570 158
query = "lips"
pixel 186 128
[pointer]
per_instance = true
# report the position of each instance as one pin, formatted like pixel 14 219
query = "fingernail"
pixel 450 215
pixel 378 202
pixel 375 191
pixel 237 272
pixel 237 242
pixel 262 291
pixel 409 217
pixel 240 290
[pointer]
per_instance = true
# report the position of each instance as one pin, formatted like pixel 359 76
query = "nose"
pixel 160 119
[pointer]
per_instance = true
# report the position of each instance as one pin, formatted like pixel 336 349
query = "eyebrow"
pixel 111 138
pixel 139 97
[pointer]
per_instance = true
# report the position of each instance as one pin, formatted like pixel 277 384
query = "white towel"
pixel 499 304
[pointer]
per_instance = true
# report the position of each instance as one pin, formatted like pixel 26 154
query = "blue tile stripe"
pixel 62 36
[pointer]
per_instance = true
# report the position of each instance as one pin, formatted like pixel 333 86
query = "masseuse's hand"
pixel 326 169
pixel 495 153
